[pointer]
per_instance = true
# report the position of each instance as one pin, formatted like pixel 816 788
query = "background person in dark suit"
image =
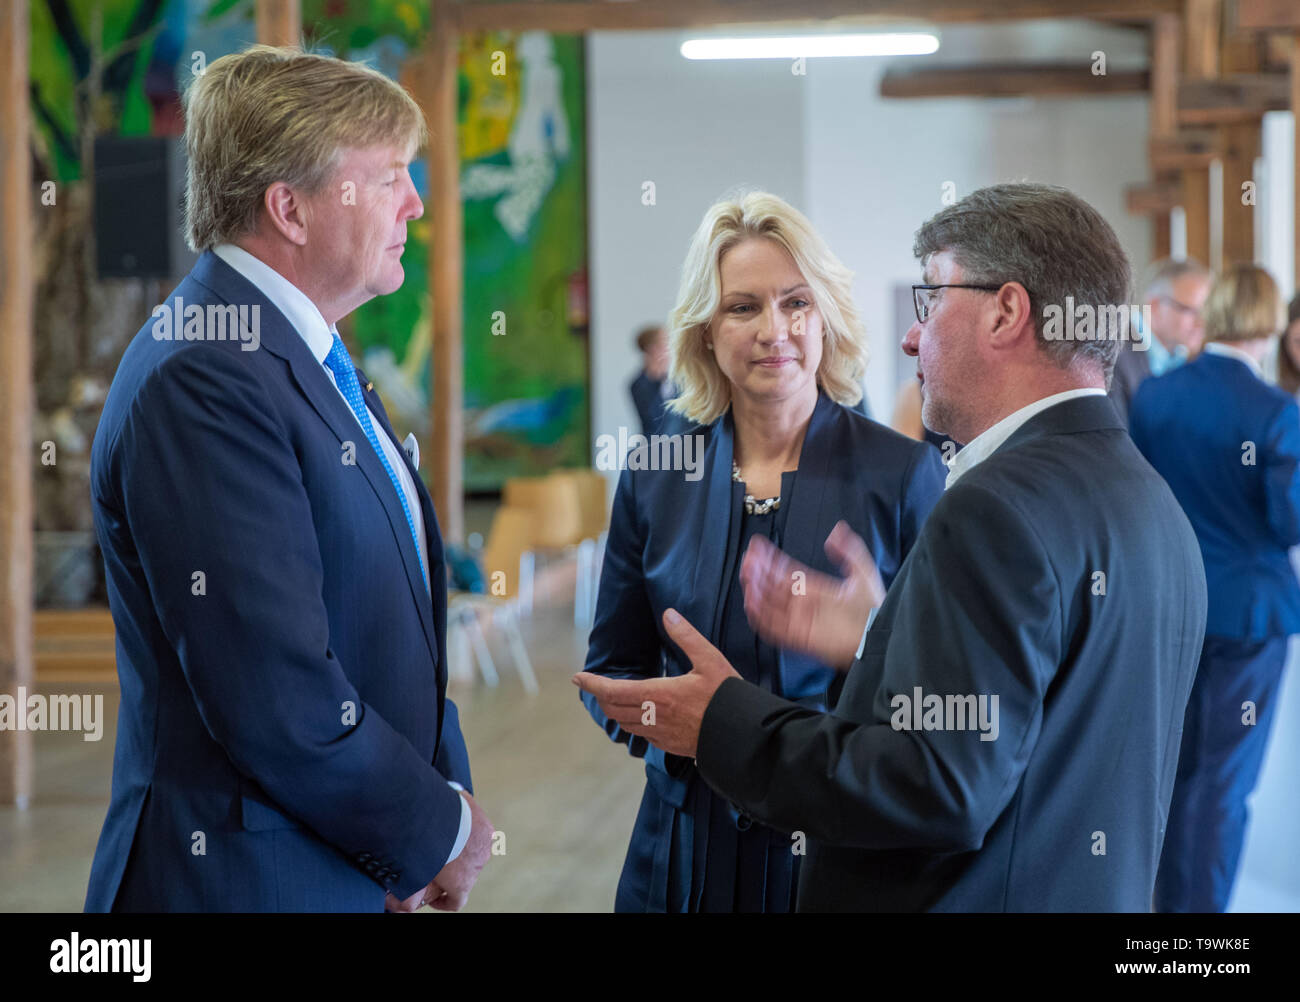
pixel 274 567
pixel 768 350
pixel 1175 291
pixel 1057 573
pixel 1228 443
pixel 651 389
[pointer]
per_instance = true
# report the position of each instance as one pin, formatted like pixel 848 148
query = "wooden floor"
pixel 563 794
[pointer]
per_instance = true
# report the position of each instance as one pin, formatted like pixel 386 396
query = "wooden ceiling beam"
pixel 1010 80
pixel 1239 98
pixel 1267 15
pixel 1189 149
pixel 595 15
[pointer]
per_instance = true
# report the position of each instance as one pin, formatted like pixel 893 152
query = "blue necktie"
pixel 345 377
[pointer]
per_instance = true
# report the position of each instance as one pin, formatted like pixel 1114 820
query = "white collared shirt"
pixel 987 442
pixel 306 319
pixel 1229 351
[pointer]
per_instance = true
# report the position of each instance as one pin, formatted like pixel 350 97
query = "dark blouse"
pixel 751 868
pixel 676 542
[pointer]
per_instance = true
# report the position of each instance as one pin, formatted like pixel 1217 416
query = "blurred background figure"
pixel 1175 291
pixel 652 388
pixel 769 350
pixel 907 421
pixel 1228 444
pixel 1282 366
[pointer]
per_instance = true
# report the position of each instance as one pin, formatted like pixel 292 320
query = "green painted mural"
pixel 523 177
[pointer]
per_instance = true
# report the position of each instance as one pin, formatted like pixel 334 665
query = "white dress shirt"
pixel 986 443
pixel 306 319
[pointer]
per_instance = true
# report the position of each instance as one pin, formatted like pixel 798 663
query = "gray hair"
pixel 1050 241
pixel 1162 274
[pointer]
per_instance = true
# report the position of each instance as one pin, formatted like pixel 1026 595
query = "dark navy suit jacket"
pixel 1229 445
pixel 667 547
pixel 283 741
pixel 649 400
pixel 1065 809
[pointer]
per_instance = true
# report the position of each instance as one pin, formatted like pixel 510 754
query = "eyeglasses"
pixel 1181 307
pixel 923 296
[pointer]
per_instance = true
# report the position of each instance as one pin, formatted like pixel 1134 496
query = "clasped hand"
pixel 449 890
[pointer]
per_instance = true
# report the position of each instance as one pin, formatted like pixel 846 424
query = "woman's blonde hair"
pixel 272 114
pixel 1244 304
pixel 705 392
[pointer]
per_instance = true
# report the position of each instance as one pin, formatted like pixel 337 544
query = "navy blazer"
pixel 283 741
pixel 1064 809
pixel 667 546
pixel 648 397
pixel 1229 445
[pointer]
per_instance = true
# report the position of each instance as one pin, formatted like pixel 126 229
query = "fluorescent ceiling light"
pixel 811 46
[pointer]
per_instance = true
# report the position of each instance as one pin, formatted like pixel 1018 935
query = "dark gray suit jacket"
pixel 1131 368
pixel 1002 595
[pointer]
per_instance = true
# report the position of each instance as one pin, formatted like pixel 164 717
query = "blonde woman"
pixel 1228 443
pixel 768 350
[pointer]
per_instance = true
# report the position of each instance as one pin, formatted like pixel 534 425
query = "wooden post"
pixel 446 274
pixel 279 22
pixel 1295 170
pixel 1163 117
pixel 16 382
pixel 1241 147
pixel 1201 25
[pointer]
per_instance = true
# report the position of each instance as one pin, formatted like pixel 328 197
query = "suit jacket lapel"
pixel 280 338
pixel 430 613
pixel 716 515
pixel 810 496
pixel 713 530
pixel 1090 413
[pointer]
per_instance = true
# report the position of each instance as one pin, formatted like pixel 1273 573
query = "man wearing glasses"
pixel 1175 291
pixel 1008 731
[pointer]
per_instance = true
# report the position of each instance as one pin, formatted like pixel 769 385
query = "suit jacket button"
pixel 744 822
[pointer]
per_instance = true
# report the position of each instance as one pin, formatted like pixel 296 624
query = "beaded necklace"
pixel 752 505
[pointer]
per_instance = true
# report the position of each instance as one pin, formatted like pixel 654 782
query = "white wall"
pixel 866 170
pixel 696 129
pixel 876 166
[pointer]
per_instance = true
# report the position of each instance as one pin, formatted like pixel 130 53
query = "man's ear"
pixel 1013 316
pixel 287 212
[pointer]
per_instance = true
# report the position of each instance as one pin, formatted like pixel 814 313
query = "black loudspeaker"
pixel 139 197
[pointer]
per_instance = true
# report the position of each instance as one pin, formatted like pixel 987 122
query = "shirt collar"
pixel 286 297
pixel 1228 351
pixel 987 442
pixel 1161 359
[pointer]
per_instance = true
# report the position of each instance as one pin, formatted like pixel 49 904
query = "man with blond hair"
pixel 275 571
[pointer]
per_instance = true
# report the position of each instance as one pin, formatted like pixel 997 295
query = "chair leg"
pixel 520 653
pixel 527 565
pixel 485 663
pixel 597 563
pixel 582 584
pixel 459 658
